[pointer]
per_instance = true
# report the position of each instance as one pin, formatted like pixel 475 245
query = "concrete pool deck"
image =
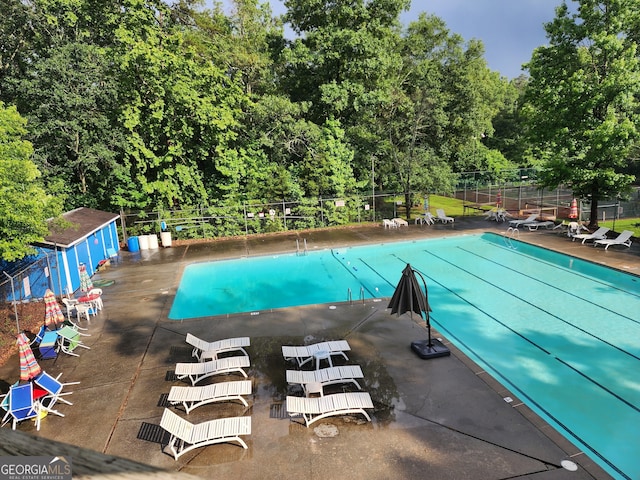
pixel 442 418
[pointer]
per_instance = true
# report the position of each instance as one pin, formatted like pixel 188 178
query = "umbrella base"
pixel 426 351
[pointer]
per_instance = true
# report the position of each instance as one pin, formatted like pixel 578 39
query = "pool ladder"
pixel 304 251
pixel 350 296
pixel 512 234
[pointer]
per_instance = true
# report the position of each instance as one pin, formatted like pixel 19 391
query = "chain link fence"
pixel 516 191
pixel 28 279
pixel 267 217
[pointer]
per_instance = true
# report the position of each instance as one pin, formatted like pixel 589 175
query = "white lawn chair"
pixel 599 234
pixel 518 223
pixel 194 397
pixel 197 372
pixel 70 306
pixel 623 239
pixel 317 408
pixel 386 223
pixel 400 222
pixel 203 350
pixel 426 218
pixel 186 436
pixel 305 353
pixel 325 376
pixel 440 216
pixel 96 303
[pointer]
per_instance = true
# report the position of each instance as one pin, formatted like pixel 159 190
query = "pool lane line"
pixel 333 254
pixel 568 270
pixel 426 275
pixel 551 314
pixel 601 386
pixel 376 272
pixel 521 335
pixel 524 395
pixel 568 292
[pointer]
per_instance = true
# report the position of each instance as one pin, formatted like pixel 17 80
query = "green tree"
pixel 343 64
pixel 442 102
pixel 24 204
pixel 70 97
pixel 509 136
pixel 179 110
pixel 582 99
pixel 59 78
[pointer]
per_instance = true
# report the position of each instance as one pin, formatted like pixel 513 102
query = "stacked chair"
pixel 186 436
pixel 34 399
pixel 315 405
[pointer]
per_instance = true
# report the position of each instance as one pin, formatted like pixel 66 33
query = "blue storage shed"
pixel 91 237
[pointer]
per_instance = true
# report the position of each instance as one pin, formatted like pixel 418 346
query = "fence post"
pixel 123 222
pixel 284 215
pixel 15 305
pixel 246 224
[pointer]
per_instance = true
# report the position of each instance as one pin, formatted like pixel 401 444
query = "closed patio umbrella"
pixel 409 297
pixel 52 313
pixel 29 367
pixel 85 281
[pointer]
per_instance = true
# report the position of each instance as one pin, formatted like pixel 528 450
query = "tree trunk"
pixel 593 221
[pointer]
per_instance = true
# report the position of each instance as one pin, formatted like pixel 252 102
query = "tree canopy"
pixel 24 204
pixel 144 104
pixel 582 101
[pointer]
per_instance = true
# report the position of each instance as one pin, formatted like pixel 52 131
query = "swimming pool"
pixel 568 330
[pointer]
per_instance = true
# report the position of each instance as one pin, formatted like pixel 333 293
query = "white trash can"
pixel 165 238
pixel 144 242
pixel 153 241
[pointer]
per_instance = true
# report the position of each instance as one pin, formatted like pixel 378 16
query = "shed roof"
pixel 84 222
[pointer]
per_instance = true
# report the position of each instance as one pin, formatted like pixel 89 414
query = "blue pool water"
pixel 568 330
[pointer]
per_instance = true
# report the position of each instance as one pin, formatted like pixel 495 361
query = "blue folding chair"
pixel 21 405
pixel 53 387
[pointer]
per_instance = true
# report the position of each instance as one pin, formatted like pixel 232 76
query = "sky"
pixel 509 29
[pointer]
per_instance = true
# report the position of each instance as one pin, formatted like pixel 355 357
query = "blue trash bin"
pixel 133 244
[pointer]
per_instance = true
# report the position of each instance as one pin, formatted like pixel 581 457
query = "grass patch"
pixel 621 224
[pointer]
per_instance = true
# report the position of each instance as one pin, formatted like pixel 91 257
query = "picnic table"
pixel 477 207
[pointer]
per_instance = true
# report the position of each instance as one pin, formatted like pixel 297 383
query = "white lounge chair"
pixel 532 226
pixel 599 234
pixel 400 222
pixel 518 223
pixel 201 370
pixel 194 397
pixel 425 218
pixel 440 215
pixel 186 436
pixel 326 376
pixel 317 408
pixel 304 354
pixel 623 239
pixel 203 350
